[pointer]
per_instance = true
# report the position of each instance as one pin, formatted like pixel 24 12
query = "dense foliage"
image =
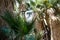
pixel 18 24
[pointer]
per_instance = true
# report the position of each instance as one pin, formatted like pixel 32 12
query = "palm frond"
pixel 10 20
pixel 18 24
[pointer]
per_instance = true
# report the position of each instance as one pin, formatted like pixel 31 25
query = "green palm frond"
pixel 18 24
pixel 11 21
